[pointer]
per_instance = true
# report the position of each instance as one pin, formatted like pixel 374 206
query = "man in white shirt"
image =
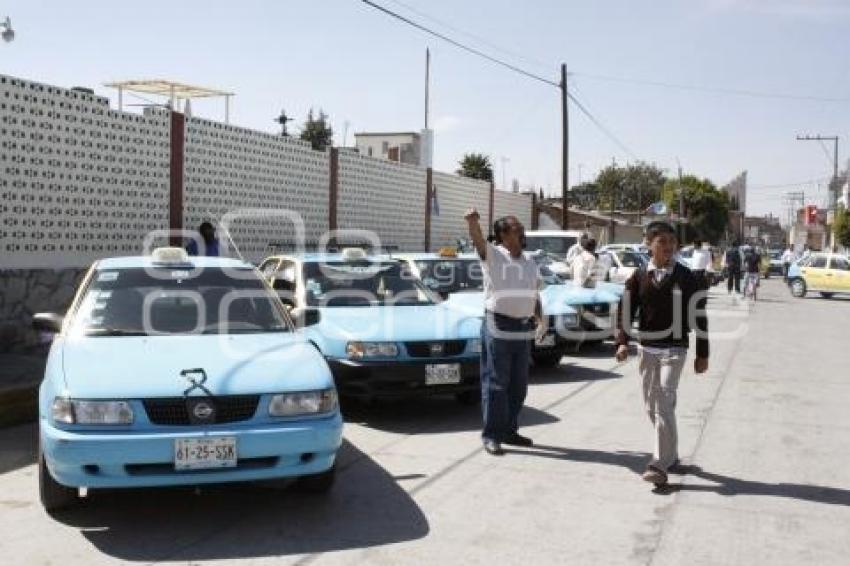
pixel 576 249
pixel 583 266
pixel 700 263
pixel 512 307
pixel 788 257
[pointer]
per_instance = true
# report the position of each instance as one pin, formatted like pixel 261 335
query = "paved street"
pixel 764 434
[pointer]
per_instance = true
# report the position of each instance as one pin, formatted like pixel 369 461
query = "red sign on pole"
pixel 811 214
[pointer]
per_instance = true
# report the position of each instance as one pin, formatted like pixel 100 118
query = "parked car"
pixel 171 370
pixel 824 273
pixel 637 248
pixel 383 333
pixel 773 265
pixel 458 278
pixel 555 243
pixel 623 263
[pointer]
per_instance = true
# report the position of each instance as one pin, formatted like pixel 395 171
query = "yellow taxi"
pixel 825 273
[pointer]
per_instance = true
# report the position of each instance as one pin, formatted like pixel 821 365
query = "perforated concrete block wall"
pixel 385 197
pixel 78 181
pixel 454 196
pixel 516 204
pixel 229 168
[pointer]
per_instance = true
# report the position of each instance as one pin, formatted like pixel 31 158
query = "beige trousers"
pixel 660 371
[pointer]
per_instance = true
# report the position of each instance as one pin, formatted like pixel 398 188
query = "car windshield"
pixel 555 245
pixel 167 301
pixel 447 276
pixel 363 284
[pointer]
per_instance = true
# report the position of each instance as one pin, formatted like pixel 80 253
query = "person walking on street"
pixel 512 309
pixel 584 264
pixel 787 259
pixel 210 242
pixel 700 262
pixel 732 259
pixel 752 263
pixel 666 299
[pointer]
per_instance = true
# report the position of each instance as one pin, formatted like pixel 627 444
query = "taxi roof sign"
pixel 353 254
pixel 447 251
pixel 170 255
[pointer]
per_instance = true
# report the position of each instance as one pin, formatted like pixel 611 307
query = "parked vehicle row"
pixel 178 370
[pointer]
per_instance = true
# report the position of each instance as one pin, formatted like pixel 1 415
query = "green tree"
pixel 317 131
pixel 706 207
pixel 841 226
pixel 476 166
pixel 585 196
pixel 633 187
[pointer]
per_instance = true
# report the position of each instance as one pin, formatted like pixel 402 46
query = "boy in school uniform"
pixel 667 300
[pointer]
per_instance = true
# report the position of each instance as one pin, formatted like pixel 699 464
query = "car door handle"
pixel 829 274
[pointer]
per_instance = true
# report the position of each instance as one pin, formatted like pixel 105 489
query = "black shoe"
pixel 493 448
pixel 678 468
pixel 516 439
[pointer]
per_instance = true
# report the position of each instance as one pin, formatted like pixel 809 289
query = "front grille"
pixel 435 349
pixel 175 411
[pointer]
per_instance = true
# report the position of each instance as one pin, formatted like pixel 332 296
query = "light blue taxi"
pixel 171 370
pixel 458 279
pixel 382 332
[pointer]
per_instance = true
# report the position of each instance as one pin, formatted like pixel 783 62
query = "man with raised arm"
pixel 512 310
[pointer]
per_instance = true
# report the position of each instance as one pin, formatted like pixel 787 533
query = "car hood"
pixel 396 324
pixel 573 295
pixel 150 366
pixel 473 303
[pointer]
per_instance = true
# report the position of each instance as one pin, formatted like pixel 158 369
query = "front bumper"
pixel 399 379
pixel 146 458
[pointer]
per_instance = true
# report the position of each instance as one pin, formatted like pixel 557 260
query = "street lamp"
pixel 8 34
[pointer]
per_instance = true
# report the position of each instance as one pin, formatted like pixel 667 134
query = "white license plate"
pixel 545 340
pixel 442 374
pixel 204 453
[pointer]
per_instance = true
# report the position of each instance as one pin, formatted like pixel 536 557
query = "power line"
pixel 714 90
pixel 460 45
pixel 598 123
pixel 604 129
pixel 791 184
pixel 474 37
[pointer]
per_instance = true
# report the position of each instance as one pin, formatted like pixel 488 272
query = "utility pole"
pixel 834 184
pixel 565 151
pixel 613 201
pixel 681 205
pixel 427 84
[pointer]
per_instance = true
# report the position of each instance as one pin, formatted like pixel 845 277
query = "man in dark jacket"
pixel 733 268
pixel 667 300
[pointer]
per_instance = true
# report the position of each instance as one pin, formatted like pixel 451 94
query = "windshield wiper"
pixel 114 332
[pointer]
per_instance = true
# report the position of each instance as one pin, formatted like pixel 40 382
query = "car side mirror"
pixel 47 322
pixel 305 317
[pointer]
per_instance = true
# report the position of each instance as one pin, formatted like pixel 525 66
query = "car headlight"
pixel 303 403
pixel 70 411
pixel 475 345
pixel 360 350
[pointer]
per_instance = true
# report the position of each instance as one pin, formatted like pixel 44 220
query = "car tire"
pixel 317 483
pixel 798 287
pixel 548 360
pixel 826 295
pixel 468 398
pixel 54 496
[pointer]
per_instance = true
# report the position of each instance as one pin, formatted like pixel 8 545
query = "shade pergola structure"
pixel 173 90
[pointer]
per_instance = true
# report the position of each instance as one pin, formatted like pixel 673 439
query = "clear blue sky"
pixel 365 68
